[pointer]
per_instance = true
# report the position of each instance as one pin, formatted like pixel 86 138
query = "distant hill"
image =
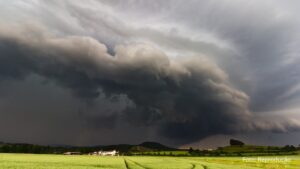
pixel 234 142
pixel 145 146
pixel 152 149
pixel 58 149
pixel 156 146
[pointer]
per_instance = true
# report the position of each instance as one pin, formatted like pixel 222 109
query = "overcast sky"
pixel 126 71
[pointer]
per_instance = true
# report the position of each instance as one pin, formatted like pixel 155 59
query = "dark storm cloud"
pixel 185 99
pixel 263 38
pixel 181 70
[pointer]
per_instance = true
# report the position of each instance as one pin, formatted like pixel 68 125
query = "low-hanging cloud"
pixel 185 99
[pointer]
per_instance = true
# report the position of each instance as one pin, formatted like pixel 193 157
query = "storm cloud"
pixel 172 75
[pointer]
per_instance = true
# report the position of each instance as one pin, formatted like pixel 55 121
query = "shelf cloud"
pixel 155 70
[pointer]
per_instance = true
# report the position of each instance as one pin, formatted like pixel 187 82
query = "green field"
pixel 30 161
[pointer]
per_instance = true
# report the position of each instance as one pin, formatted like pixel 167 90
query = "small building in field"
pixel 105 153
pixel 72 153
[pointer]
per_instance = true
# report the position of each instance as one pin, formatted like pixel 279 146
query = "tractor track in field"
pixel 204 166
pixel 135 163
pixel 138 164
pixel 194 166
pixel 126 164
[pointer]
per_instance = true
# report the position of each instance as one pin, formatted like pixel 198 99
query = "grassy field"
pixel 30 161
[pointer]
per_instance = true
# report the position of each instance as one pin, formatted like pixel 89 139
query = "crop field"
pixel 30 161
